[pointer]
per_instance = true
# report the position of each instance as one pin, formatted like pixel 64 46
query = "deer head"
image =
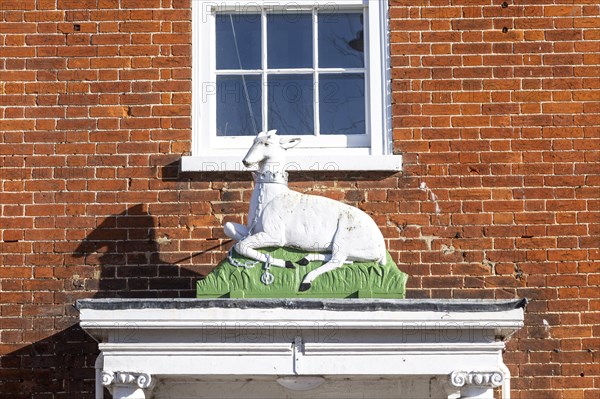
pixel 268 147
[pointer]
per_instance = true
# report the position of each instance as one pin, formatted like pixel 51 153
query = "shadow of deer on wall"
pixel 123 254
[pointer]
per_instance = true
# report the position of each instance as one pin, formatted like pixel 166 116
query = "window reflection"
pixel 247 32
pixel 342 104
pixel 289 40
pixel 291 100
pixel 233 113
pixel 341 40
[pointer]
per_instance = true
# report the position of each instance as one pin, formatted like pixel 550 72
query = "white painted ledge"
pixel 180 349
pixel 313 163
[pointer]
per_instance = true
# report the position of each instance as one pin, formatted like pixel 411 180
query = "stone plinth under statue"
pixel 301 348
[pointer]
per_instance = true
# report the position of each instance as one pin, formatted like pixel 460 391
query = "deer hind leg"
pixel 339 253
pixel 317 257
pixel 247 247
pixel 337 260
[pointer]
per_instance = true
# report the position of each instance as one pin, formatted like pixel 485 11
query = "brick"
pixel 563 59
pixel 36 40
pixel 119 111
pixel 571 331
pixel 172 39
pixel 76 4
pixel 47 63
pixel 564 34
pixel 139 27
pixel 586 23
pixel 139 50
pixel 472 24
pixel 567 255
pixel 141 3
pixel 499 36
pixel 10 27
pixel 441 37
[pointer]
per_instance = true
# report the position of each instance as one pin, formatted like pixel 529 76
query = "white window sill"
pixel 384 163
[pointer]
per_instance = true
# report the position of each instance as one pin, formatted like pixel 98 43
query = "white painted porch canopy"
pixel 301 348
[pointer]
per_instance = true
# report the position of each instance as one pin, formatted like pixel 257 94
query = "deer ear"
pixel 272 133
pixel 286 144
pixel 261 134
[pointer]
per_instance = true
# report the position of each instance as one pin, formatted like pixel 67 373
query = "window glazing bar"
pixel 315 22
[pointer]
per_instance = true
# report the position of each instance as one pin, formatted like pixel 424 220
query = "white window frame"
pixel 332 152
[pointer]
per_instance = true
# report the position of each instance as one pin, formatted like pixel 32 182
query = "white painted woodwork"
pixel 177 349
pixel 329 161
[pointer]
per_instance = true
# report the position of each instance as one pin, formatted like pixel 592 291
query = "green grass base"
pixel 358 280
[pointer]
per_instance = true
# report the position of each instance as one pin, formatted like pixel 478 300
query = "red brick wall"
pixel 496 109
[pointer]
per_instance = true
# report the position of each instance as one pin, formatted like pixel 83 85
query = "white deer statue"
pixel 281 217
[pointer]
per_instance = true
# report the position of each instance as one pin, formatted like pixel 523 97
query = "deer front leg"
pixel 235 231
pixel 247 247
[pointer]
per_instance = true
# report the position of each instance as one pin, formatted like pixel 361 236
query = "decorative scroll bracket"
pixel 127 385
pixel 492 379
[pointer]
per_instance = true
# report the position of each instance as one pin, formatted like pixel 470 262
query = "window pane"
pixel 291 104
pixel 341 40
pixel 248 36
pixel 289 37
pixel 342 103
pixel 233 115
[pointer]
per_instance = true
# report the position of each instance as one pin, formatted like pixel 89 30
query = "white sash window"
pixel 312 69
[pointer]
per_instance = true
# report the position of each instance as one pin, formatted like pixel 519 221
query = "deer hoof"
pixel 289 265
pixel 304 287
pixel 303 262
